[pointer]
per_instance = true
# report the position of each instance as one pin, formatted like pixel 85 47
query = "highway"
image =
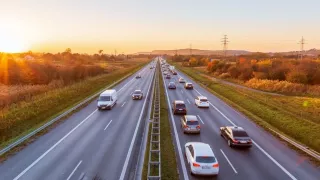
pixel 89 143
pixel 268 159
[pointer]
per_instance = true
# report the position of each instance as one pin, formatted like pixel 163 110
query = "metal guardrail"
pixel 24 138
pixel 299 146
pixel 154 165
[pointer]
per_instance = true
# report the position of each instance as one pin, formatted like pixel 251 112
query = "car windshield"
pixel 171 84
pixel 205 159
pixel 203 100
pixel 104 98
pixel 180 106
pixel 192 122
pixel 137 92
pixel 240 134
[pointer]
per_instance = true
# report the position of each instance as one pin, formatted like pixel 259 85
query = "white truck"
pixel 171 68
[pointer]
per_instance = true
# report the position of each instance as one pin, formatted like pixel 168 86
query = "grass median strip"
pixel 262 112
pixel 24 117
pixel 168 158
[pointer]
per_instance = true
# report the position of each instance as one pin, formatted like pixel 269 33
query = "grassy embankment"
pixel 168 156
pixel 293 116
pixel 21 118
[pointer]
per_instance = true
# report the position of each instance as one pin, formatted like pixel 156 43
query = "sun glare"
pixel 11 43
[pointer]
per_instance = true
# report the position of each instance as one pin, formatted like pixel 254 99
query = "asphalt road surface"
pixel 268 158
pixel 88 144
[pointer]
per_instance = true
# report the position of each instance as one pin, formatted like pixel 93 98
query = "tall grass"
pixel 284 87
pixel 21 117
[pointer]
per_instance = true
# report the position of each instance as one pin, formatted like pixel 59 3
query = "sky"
pixel 131 26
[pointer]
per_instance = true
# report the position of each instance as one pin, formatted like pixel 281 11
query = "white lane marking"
pixel 182 162
pixel 274 161
pixel 125 166
pixel 235 171
pixel 131 79
pixel 260 148
pixel 200 119
pixel 217 110
pixel 181 91
pixel 107 125
pixel 56 144
pixel 188 101
pixel 74 170
pixel 123 104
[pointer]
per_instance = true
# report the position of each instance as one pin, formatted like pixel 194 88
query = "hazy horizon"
pixel 130 27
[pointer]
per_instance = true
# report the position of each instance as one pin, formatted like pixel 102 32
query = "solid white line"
pixel 74 170
pixel 188 101
pixel 274 161
pixel 125 166
pixel 262 150
pixel 56 144
pixel 184 170
pixel 181 91
pixel 235 171
pixel 107 125
pixel 123 104
pixel 200 119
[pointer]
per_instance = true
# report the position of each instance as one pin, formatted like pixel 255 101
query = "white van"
pixel 107 99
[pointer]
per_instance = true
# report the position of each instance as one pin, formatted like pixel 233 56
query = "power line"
pixel 302 42
pixel 225 45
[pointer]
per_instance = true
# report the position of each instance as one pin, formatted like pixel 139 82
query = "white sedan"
pixel 201 159
pixel 202 101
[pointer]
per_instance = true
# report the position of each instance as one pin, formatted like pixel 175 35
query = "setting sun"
pixel 11 44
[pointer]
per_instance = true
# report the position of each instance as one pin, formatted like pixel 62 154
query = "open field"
pixel 20 118
pixel 294 116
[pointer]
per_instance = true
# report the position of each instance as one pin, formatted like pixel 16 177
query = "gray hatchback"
pixel 190 124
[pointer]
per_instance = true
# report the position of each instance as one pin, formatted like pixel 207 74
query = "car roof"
pixel 108 92
pixel 202 97
pixel 202 149
pixel 191 118
pixel 137 90
pixel 235 128
pixel 171 83
pixel 188 83
pixel 179 102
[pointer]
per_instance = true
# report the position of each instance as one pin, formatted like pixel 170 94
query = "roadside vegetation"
pixel 39 103
pixel 296 117
pixel 168 156
pixel 282 74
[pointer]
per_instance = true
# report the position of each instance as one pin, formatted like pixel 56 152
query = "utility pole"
pixel 115 52
pixel 225 46
pixel 302 43
pixel 176 52
pixel 190 49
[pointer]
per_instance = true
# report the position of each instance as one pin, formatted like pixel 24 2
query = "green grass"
pixel 24 117
pixel 168 155
pixel 263 111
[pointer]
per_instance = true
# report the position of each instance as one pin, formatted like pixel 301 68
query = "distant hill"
pixel 311 52
pixel 195 52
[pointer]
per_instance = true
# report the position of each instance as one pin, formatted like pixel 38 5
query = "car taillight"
pixel 249 141
pixel 215 165
pixel 185 126
pixel 198 127
pixel 235 141
pixel 195 165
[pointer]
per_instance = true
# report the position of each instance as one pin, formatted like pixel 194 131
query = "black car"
pixel 138 76
pixel 179 107
pixel 172 85
pixel 174 73
pixel 236 136
pixel 137 94
pixel 168 76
